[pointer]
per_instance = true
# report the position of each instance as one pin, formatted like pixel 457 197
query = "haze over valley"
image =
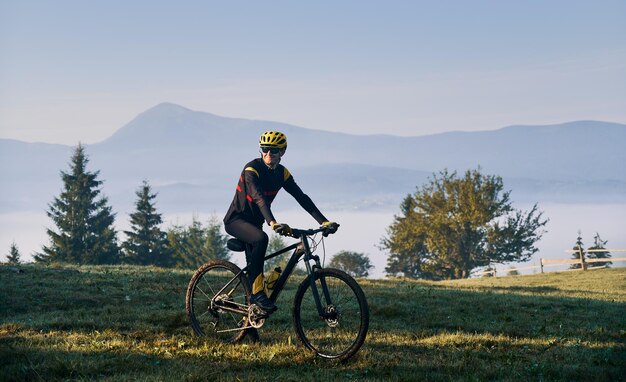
pixel 574 170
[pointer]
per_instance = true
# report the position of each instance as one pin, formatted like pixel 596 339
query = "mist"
pixel 362 231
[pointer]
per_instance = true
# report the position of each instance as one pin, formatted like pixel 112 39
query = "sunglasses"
pixel 271 150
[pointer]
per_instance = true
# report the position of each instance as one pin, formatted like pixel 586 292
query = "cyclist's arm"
pixel 255 192
pixel 303 199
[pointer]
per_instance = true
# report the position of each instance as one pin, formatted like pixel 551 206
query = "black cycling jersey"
pixel 257 188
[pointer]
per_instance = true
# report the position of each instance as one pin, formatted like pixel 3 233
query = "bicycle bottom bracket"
pixel 256 316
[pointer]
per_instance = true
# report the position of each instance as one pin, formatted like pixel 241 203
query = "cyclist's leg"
pixel 256 244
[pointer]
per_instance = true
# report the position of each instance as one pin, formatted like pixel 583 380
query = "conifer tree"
pixel 577 248
pixel 599 245
pixel 84 231
pixel 13 257
pixel 146 244
pixel 194 245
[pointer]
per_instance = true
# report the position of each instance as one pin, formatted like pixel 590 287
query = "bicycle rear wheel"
pixel 341 331
pixel 205 307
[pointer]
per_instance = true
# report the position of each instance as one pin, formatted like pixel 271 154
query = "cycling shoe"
pixel 261 300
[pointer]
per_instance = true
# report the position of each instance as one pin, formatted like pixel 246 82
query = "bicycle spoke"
pixel 342 328
pixel 212 293
pixel 209 297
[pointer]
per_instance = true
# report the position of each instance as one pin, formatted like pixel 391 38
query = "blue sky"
pixel 78 70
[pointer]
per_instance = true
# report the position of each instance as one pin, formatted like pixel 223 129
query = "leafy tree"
pixel 453 225
pixel 84 222
pixel 194 245
pixel 408 250
pixel 599 244
pixel 146 244
pixel 354 263
pixel 13 257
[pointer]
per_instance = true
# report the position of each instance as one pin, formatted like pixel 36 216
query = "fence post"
pixel 541 264
pixel 583 265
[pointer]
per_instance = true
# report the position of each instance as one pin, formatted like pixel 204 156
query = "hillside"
pixel 197 155
pixel 129 323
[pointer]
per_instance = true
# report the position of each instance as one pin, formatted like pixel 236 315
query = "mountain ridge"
pixel 171 144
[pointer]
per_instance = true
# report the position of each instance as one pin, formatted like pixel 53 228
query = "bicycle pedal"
pixel 258 312
pixel 265 314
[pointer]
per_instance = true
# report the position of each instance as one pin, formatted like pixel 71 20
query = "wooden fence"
pixel 543 263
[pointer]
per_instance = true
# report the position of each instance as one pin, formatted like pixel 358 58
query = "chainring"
pixel 256 316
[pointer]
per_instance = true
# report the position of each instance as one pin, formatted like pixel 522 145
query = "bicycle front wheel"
pixel 341 329
pixel 216 286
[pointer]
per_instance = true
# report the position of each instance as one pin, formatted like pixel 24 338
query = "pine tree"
pixel 13 257
pixel 146 244
pixel 598 245
pixel 578 248
pixel 84 222
pixel 194 245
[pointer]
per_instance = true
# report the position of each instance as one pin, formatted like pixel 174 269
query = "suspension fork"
pixel 311 271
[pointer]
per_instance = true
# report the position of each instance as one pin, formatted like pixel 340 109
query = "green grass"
pixel 124 323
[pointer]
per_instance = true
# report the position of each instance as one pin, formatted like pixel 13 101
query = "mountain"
pixel 584 150
pixel 193 159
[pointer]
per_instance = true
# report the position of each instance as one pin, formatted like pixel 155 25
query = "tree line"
pixel 84 231
pixel 449 227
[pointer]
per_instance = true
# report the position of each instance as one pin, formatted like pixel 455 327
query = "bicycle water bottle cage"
pixel 236 245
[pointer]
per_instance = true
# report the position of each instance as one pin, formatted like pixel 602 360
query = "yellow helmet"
pixel 273 139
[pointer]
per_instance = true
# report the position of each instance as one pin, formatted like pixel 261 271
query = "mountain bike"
pixel 330 312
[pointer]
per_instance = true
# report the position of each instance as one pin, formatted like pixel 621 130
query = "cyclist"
pixel 259 182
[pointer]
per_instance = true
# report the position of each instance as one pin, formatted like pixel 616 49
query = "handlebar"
pixel 298 233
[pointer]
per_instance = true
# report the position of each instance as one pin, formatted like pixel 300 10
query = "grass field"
pixel 123 323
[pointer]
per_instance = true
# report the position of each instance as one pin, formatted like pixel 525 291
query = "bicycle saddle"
pixel 236 245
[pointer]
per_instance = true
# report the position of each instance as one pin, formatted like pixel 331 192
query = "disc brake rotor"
pixel 331 316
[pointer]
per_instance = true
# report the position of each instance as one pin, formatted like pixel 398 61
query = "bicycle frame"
pixel 219 305
pixel 301 249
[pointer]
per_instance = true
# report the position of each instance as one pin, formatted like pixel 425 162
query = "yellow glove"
pixel 331 227
pixel 282 229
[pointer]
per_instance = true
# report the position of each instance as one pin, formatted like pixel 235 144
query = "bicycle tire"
pixel 340 337
pixel 216 323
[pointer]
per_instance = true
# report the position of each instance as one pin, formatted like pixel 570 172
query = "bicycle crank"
pixel 256 316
